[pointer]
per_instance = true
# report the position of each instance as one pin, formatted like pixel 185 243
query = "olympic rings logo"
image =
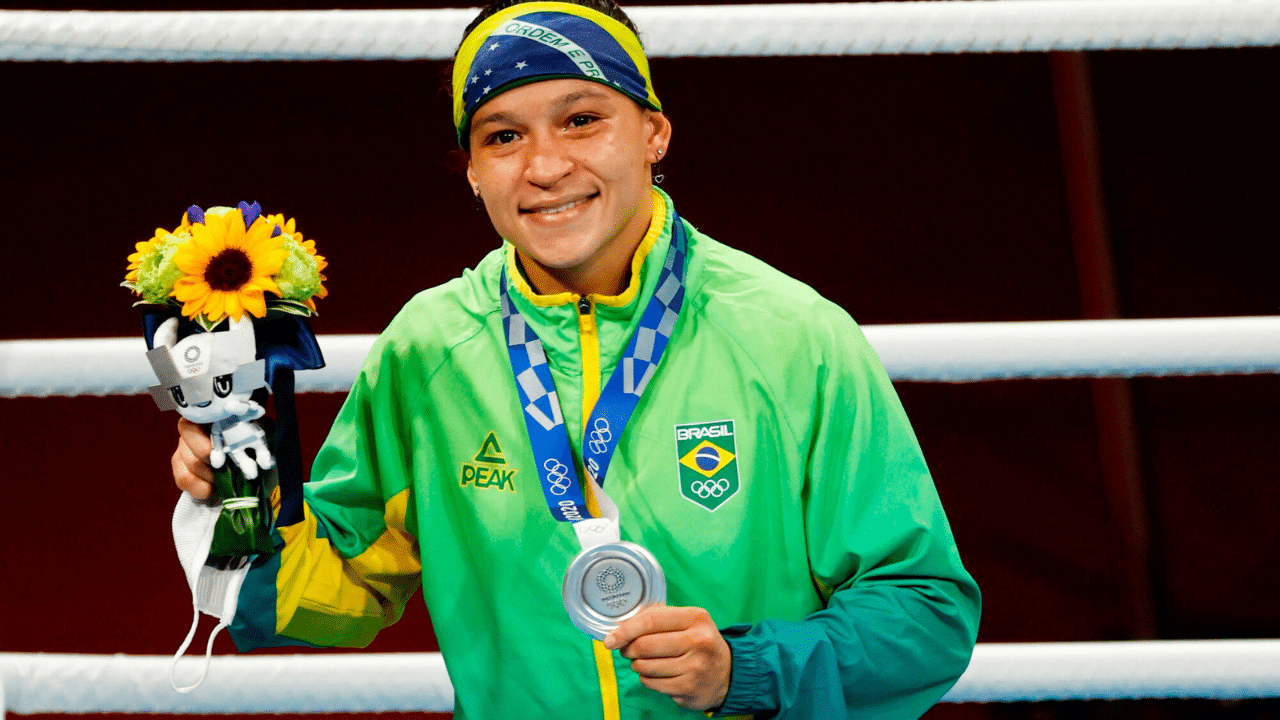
pixel 710 488
pixel 557 476
pixel 600 436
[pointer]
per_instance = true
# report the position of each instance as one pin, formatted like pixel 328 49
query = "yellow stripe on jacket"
pixel 324 599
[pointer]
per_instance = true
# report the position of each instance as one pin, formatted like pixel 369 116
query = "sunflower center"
pixel 229 270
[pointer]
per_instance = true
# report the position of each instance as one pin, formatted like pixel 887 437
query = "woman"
pixel 763 458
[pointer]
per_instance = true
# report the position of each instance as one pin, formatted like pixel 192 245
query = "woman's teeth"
pixel 562 208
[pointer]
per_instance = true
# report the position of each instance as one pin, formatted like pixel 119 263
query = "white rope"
pixel 686 31
pixel 362 682
pixel 954 352
pixel 418 682
pixel 967 352
pixel 1219 669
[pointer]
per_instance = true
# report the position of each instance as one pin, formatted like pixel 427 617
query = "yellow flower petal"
pixel 234 229
pixel 254 303
pixel 206 238
pixel 215 306
pixel 191 259
pixel 261 243
pixel 233 307
pixel 190 288
pixel 269 263
pixel 193 308
pixel 265 284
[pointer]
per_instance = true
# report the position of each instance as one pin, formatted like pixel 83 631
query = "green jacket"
pixel 811 531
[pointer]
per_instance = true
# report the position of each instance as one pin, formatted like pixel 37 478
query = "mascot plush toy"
pixel 208 378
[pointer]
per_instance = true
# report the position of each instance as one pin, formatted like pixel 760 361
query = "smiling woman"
pixel 699 459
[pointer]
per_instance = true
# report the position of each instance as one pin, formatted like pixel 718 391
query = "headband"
pixel 542 41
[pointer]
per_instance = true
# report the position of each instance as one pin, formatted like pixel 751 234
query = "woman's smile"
pixel 559 210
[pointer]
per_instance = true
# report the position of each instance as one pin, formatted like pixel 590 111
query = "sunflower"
pixel 228 268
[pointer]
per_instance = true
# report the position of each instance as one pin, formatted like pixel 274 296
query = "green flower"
pixel 299 275
pixel 157 272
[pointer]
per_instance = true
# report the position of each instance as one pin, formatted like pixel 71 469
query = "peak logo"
pixel 488 469
pixel 707 462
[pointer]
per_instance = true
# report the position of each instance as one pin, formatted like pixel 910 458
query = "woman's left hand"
pixel 679 652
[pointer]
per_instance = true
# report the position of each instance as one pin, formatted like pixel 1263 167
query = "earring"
pixel 479 200
pixel 656 169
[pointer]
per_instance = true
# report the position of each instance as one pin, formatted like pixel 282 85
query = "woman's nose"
pixel 548 162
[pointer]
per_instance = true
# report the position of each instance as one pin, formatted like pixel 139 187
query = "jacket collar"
pixel 654 244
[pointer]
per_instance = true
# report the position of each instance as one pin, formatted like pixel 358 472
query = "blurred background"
pixel 910 189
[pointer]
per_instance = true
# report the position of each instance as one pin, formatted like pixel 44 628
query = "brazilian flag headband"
pixel 536 41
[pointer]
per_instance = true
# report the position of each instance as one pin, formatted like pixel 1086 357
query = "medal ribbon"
pixel 547 436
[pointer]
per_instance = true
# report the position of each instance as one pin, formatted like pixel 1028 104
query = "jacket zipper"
pixel 589 337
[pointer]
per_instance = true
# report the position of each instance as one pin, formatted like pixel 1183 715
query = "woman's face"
pixel 563 168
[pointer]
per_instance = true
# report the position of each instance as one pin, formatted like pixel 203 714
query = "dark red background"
pixel 908 189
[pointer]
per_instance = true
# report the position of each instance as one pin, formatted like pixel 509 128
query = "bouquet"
pixel 219 270
pixel 225 262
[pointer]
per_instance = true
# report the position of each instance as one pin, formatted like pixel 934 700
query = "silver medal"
pixel 610 583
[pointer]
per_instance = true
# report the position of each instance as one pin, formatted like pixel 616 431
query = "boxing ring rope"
pixel 959 352
pixel 417 682
pixel 884 28
pixel 953 352
pixel 943 352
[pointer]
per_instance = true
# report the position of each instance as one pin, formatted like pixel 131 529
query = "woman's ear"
pixel 472 180
pixel 659 136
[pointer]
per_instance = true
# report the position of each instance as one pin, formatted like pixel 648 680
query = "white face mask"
pixel 214 592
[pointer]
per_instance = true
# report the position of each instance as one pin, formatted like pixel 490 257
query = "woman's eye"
pixel 581 120
pixel 502 137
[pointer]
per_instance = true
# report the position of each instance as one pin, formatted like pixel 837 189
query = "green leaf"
pixel 303 311
pixel 292 307
pixel 282 301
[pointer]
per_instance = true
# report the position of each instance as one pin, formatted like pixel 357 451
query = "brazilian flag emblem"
pixel 708 462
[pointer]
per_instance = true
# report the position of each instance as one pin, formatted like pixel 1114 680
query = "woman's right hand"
pixel 192 472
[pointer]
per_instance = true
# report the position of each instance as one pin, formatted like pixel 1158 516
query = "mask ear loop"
pixel 208 656
pixel 227 613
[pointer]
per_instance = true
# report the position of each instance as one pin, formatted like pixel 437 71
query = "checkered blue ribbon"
pixel 550 442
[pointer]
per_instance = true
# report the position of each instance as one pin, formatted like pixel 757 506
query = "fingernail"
pixel 609 641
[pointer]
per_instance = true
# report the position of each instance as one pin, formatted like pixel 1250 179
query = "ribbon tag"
pixel 597 531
